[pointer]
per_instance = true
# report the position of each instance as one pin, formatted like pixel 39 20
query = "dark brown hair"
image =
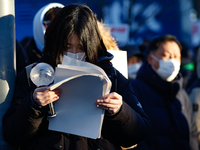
pixel 155 43
pixel 51 13
pixel 79 20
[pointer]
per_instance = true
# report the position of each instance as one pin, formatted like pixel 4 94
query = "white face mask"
pixel 133 69
pixel 168 69
pixel 78 56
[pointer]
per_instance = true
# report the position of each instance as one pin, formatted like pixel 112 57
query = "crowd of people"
pixel 156 108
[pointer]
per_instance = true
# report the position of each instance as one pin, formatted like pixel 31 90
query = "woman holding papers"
pixel 74 32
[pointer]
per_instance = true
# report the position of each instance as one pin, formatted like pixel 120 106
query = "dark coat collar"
pixel 167 89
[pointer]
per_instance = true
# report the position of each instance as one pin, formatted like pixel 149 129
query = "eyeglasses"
pixel 46 23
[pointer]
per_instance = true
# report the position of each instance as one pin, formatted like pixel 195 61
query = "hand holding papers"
pixel 82 84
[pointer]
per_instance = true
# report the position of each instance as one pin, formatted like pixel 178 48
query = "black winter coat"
pixel 26 125
pixel 33 53
pixel 169 109
pixel 22 59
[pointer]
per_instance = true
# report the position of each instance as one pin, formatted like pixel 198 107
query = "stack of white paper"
pixel 82 84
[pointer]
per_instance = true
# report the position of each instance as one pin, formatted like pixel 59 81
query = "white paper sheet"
pixel 120 61
pixel 82 84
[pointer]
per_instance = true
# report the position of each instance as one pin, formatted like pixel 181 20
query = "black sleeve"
pixel 130 125
pixel 22 119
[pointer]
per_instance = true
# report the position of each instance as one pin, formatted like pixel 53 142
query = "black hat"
pixel 132 50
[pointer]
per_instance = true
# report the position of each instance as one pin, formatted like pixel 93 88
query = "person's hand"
pixel 43 96
pixel 111 102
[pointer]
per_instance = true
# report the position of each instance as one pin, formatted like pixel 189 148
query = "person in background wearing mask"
pixel 135 60
pixel 158 87
pixel 34 45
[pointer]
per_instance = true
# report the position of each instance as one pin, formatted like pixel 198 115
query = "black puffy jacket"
pixel 169 109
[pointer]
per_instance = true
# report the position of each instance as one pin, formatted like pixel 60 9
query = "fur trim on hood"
pixel 38 28
pixel 109 41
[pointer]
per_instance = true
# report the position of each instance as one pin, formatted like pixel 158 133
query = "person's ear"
pixel 149 59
